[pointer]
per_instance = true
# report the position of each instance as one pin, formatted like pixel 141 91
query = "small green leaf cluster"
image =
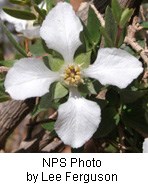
pixel 116 22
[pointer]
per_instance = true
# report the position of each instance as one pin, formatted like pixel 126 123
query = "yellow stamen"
pixel 72 75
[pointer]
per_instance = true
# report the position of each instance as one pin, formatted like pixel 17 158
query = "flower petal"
pixel 145 145
pixel 32 32
pixel 61 30
pixel 114 67
pixel 77 121
pixel 29 77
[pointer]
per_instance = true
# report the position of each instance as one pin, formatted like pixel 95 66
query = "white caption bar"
pixel 73 170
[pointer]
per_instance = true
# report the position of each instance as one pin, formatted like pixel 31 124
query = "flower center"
pixel 72 75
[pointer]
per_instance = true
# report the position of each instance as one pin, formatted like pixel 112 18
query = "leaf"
pixel 21 14
pixel 13 41
pixel 134 116
pixel 60 91
pixel 49 126
pixel 7 63
pixel 37 1
pixel 125 17
pixel 55 63
pixel 50 4
pixel 144 25
pixel 93 26
pixel 129 96
pixel 3 96
pixel 113 97
pixel 37 48
pixel 42 13
pixel 21 2
pixel 83 59
pixel 110 25
pixel 108 41
pixel 108 122
pixel 116 10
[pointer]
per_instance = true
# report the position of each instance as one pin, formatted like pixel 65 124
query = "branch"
pixel 3 69
pixel 11 114
pixel 99 16
pixel 130 40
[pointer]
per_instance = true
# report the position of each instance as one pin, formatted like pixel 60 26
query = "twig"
pixel 99 16
pixel 130 40
pixel 121 138
pixel 3 69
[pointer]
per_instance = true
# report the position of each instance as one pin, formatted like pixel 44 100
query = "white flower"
pixel 78 118
pixel 145 145
pixel 23 26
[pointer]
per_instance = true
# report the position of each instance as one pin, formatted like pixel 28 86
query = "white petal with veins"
pixel 29 77
pixel 61 29
pixel 114 67
pixel 145 145
pixel 78 119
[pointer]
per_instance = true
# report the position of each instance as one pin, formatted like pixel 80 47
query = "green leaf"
pixel 60 91
pixel 113 97
pixel 129 96
pixel 49 126
pixel 116 10
pixel 108 122
pixel 42 13
pixel 50 4
pixel 125 17
pixel 144 25
pixel 93 26
pixel 13 41
pixel 134 116
pixel 37 1
pixel 55 63
pixel 108 41
pixel 37 48
pixel 110 25
pixel 7 63
pixel 3 96
pixel 21 14
pixel 21 2
pixel 83 59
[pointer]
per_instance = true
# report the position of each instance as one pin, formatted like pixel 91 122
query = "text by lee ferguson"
pixel 71 170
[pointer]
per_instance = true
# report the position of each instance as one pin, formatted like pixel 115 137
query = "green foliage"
pixel 91 32
pixel 21 14
pixel 41 12
pixel 133 116
pixel 144 25
pixel 13 41
pixel 110 25
pixel 83 59
pixel 37 1
pixel 108 122
pixel 50 4
pixel 125 17
pixel 21 2
pixel 116 10
pixel 37 48
pixel 48 126
pixel 93 25
pixel 116 20
pixel 59 91
pixel 3 95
